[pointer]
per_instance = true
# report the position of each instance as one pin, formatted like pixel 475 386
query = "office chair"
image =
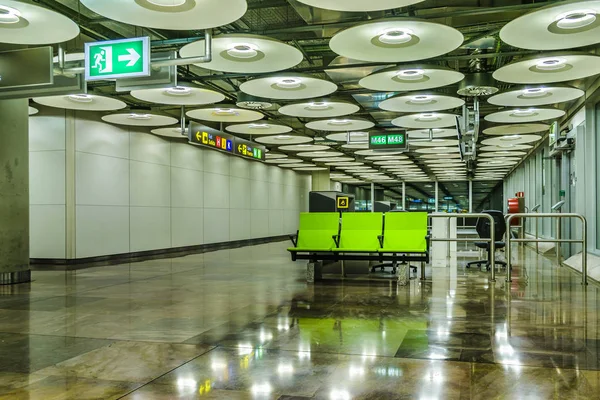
pixel 483 230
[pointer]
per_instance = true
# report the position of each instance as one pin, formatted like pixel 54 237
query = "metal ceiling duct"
pixel 479 84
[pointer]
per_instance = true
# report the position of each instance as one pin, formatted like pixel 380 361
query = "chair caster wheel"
pixel 394 271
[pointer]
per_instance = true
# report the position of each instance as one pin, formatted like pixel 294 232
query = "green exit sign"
pixel 113 59
pixel 396 140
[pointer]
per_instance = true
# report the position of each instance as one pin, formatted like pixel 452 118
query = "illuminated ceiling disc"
pixel 176 132
pixel 425 120
pixel 524 115
pixel 502 154
pixel 304 147
pixel 340 125
pixel 422 102
pixel 438 150
pixel 245 54
pixel 274 156
pixel 320 154
pixel 23 23
pixel 536 96
pixel 359 137
pixel 396 40
pixel 225 113
pixel 311 169
pixel 512 139
pixel 179 95
pixel 82 102
pixel 339 161
pixel 393 162
pixel 319 109
pixel 440 156
pixel 139 119
pixel 181 15
pixel 559 67
pixel 376 153
pixel 517 129
pixel 563 26
pixel 437 133
pixel 282 140
pixel 507 147
pixel 435 142
pixel 386 158
pixel 297 165
pixel 257 129
pixel 284 161
pixel 288 87
pixel 356 146
pixel 359 5
pixel 410 78
pixel 33 110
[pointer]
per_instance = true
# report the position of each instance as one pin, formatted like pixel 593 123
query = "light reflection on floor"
pixel 242 324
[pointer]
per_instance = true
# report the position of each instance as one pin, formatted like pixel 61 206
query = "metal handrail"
pixel 491 240
pixel 583 240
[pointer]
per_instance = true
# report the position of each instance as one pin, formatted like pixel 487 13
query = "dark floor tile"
pixel 55 303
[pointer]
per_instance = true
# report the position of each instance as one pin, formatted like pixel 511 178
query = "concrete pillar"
pixel 471 197
pixel 437 197
pixel 403 196
pixel 321 181
pixel 14 192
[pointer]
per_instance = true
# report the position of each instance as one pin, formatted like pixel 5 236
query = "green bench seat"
pixel 405 232
pixel 316 233
pixel 360 233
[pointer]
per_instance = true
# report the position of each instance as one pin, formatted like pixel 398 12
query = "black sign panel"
pixel 27 67
pixel 205 136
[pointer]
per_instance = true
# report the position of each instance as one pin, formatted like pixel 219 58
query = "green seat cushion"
pixel 360 232
pixel 316 232
pixel 405 232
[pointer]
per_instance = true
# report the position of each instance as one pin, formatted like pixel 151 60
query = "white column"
pixel 471 196
pixel 372 197
pixel 437 197
pixel 403 196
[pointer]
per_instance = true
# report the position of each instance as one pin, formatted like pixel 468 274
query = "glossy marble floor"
pixel 243 324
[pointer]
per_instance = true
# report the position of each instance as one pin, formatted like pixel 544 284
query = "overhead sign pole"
pixel 113 59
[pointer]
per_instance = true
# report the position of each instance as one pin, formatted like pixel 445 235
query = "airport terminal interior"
pixel 299 199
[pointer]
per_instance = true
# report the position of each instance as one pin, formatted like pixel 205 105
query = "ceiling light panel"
pixel 516 129
pixel 319 109
pixel 340 125
pixel 411 78
pixel 179 95
pixel 175 133
pixel 83 102
pixel 536 96
pixel 288 87
pixel 549 69
pixel 305 147
pixel 519 115
pixel 423 102
pixel 396 40
pixel 170 14
pixel 425 120
pixel 225 113
pixel 259 128
pixel 437 133
pixel 513 139
pixel 282 140
pixel 562 26
pixel 139 119
pixel 245 54
pixel 28 24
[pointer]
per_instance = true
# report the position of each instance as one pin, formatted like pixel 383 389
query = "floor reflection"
pixel 225 326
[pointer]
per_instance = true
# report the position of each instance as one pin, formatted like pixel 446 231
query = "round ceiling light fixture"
pixel 179 91
pixel 81 102
pixel 81 98
pixel 288 87
pixel 178 95
pixel 252 103
pixel 551 64
pixel 9 15
pixel 410 78
pixel 325 108
pixel 359 5
pixel 536 96
pixel 170 14
pixel 243 50
pixel 558 67
pixel 225 113
pixel 534 93
pixel 576 19
pixel 395 36
pixel 410 74
pixel 289 83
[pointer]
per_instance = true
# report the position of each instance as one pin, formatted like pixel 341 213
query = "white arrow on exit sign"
pixel 132 57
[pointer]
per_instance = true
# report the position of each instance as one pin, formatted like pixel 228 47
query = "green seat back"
pixel 317 230
pixel 405 231
pixel 360 231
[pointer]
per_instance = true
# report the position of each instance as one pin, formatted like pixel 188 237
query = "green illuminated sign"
pixel 114 59
pixel 394 140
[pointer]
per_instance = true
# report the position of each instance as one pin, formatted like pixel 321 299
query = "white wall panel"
pixel 276 223
pixel 239 167
pixel 240 190
pixel 47 177
pixel 187 226
pixel 259 171
pixel 47 231
pixel 216 225
pixel 259 195
pixel 150 228
pixel 101 180
pixel 259 224
pixel 239 224
pixel 47 131
pixel 276 196
pixel 149 148
pixel 101 230
pixel 216 191
pixel 184 155
pixel 187 188
pixel 150 185
pixel 92 135
pixel 291 219
pixel 216 162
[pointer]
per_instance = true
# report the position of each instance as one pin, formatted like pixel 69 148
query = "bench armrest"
pixel 336 239
pixel 380 237
pixel 428 240
pixel 294 238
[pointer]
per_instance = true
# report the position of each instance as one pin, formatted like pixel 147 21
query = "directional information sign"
pixel 205 136
pixel 343 203
pixel 395 140
pixel 126 58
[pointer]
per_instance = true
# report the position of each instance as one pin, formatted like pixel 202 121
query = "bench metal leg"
pixel 422 271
